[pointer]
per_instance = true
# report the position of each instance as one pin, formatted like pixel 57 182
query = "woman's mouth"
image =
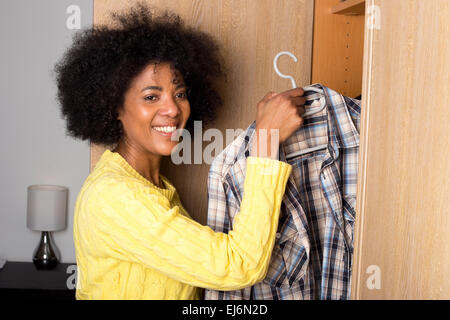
pixel 165 130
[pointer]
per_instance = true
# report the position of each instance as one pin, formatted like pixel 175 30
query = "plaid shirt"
pixel 312 256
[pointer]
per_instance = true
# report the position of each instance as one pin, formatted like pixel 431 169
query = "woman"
pixel 132 86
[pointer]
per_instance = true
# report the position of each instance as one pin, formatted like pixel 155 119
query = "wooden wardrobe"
pixel 394 53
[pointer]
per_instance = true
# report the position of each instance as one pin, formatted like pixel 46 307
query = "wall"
pixel 35 148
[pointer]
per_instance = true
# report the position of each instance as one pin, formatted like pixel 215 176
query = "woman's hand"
pixel 278 116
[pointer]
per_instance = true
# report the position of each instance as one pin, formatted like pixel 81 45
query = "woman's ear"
pixel 119 112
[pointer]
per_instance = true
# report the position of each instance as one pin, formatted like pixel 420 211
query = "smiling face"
pixel 155 105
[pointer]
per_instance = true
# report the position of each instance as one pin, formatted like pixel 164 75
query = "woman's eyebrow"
pixel 152 87
pixel 181 85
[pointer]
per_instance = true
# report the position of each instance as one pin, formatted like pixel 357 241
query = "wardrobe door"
pixel 402 238
pixel 250 33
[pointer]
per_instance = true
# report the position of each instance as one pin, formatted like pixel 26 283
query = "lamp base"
pixel 44 257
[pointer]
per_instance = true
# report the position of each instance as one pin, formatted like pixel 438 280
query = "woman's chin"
pixel 166 150
pixel 166 154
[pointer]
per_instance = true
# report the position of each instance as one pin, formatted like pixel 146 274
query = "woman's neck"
pixel 145 163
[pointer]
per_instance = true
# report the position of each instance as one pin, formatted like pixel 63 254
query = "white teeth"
pixel 165 129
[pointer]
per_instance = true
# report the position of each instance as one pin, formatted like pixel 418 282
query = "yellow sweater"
pixel 134 240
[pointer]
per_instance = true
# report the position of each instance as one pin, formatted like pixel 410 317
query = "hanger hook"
pixel 275 61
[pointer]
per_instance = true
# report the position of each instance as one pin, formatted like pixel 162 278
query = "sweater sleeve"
pixel 129 224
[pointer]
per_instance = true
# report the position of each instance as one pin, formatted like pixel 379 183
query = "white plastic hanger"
pixel 317 103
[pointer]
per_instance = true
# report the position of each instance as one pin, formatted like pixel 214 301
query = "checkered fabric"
pixel 312 256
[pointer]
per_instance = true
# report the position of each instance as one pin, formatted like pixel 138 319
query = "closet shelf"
pixel 350 8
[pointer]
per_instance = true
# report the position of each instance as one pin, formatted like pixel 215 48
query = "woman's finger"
pixel 296 92
pixel 298 101
pixel 301 110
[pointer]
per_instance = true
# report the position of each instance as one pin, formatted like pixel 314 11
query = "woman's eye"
pixel 150 98
pixel 182 95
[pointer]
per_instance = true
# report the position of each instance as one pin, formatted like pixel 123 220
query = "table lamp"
pixel 46 212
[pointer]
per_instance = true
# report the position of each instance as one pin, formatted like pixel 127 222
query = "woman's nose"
pixel 170 108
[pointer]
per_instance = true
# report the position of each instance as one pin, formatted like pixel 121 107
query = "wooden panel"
pixel 404 176
pixel 350 7
pixel 251 33
pixel 338 49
